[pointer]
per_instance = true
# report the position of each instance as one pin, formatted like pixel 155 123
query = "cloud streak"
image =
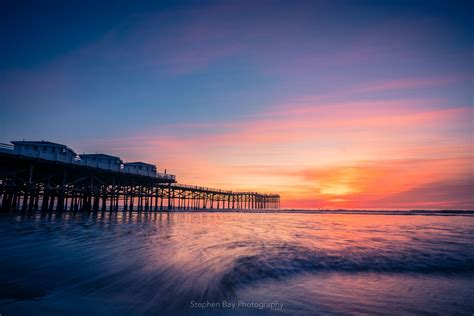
pixel 360 154
pixel 330 104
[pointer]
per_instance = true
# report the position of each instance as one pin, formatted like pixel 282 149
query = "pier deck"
pixel 34 183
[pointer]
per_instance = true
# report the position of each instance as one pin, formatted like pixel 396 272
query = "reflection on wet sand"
pixel 157 263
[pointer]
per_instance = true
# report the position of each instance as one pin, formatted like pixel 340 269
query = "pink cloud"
pixel 343 154
pixel 411 83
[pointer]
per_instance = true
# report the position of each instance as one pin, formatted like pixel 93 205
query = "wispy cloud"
pixel 322 102
pixel 349 154
pixel 411 83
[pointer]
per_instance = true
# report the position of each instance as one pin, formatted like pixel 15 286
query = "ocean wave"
pixel 288 261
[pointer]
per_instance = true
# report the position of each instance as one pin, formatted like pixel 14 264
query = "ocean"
pixel 237 263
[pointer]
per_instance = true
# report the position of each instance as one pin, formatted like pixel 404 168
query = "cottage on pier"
pixel 44 150
pixel 141 168
pixel 102 161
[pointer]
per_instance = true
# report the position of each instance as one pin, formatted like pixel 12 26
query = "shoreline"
pixel 272 211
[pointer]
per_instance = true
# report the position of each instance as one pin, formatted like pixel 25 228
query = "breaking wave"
pixel 286 261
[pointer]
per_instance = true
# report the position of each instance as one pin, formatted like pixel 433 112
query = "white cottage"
pixel 44 150
pixel 141 168
pixel 102 161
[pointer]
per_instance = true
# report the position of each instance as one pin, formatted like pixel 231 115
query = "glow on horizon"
pixel 385 154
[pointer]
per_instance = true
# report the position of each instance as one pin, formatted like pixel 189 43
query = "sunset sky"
pixel 331 104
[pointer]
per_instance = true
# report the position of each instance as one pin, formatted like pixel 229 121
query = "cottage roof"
pixel 139 163
pixel 99 156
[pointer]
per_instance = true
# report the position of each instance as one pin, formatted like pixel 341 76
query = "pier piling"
pixel 29 184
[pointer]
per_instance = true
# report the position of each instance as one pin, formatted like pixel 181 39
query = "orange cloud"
pixel 360 154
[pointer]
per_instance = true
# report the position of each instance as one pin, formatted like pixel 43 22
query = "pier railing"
pixel 6 146
pixel 195 187
pixel 207 189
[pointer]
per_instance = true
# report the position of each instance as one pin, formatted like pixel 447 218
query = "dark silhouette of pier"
pixel 47 176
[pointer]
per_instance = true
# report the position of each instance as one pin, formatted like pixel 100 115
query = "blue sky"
pixel 161 79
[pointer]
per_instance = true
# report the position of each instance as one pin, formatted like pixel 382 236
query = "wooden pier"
pixel 31 183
